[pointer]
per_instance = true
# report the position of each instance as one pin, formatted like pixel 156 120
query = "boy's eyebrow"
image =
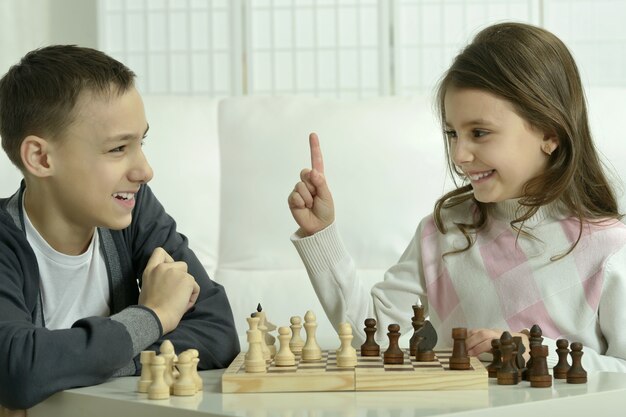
pixel 128 136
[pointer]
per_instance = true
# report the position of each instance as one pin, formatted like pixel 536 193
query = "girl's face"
pixel 497 150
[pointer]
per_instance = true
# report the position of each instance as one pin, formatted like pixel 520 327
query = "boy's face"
pixel 98 163
pixel 497 150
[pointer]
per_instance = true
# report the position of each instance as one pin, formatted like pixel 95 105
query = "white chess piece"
pixel 266 326
pixel 195 359
pixel 311 351
pixel 296 342
pixel 158 389
pixel 254 361
pixel 167 352
pixel 346 354
pixel 267 354
pixel 145 379
pixel 185 384
pixel 284 357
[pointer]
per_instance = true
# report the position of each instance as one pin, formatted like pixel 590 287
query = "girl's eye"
pixel 479 133
pixel 450 134
pixel 118 149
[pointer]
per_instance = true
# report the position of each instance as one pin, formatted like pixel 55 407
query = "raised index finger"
pixel 317 162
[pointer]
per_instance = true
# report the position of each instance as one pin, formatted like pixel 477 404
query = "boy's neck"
pixel 62 235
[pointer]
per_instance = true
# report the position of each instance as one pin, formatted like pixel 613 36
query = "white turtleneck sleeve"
pixel 505 280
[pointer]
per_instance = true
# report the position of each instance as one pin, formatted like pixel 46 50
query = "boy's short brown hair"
pixel 38 95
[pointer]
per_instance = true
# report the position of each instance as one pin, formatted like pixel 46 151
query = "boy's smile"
pixel 496 149
pixel 94 169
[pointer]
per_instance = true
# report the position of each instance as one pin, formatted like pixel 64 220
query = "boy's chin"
pixel 119 224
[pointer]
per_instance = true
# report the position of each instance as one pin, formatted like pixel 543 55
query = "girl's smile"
pixel 498 151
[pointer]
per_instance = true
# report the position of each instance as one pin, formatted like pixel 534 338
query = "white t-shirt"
pixel 72 287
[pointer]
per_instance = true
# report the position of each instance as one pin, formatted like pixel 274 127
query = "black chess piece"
pixel 459 359
pixel 496 363
pixel 540 378
pixel 393 355
pixel 417 321
pixel 370 347
pixel 576 373
pixel 560 369
pixel 426 345
pixel 534 339
pixel 507 374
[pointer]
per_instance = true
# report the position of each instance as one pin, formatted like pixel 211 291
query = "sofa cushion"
pixel 183 149
pixel 384 161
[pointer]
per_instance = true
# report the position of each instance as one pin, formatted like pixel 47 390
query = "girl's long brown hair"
pixel 531 68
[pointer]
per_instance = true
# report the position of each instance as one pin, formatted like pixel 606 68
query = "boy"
pixel 92 269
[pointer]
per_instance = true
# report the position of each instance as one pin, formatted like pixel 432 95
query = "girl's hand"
pixel 311 202
pixel 479 341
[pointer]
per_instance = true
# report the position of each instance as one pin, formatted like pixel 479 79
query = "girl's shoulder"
pixel 463 212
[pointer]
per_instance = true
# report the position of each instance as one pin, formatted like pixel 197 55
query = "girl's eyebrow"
pixel 475 122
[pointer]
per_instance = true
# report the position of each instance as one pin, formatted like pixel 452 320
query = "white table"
pixel 604 394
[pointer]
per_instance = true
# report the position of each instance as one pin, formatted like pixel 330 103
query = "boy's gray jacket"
pixel 36 362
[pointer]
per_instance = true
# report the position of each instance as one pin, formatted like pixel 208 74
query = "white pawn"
pixel 185 384
pixel 346 354
pixel 296 343
pixel 254 361
pixel 145 379
pixel 311 351
pixel 158 390
pixel 284 357
pixel 167 352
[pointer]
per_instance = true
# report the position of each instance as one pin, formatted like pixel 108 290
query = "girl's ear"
pixel 34 154
pixel 550 143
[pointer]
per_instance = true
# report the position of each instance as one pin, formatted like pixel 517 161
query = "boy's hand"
pixel 311 202
pixel 167 289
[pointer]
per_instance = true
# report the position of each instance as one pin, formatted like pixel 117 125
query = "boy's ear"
pixel 550 143
pixel 34 154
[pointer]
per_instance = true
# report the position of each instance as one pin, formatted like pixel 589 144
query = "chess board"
pixel 370 374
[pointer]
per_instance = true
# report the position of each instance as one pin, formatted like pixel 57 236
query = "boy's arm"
pixel 209 325
pixel 36 362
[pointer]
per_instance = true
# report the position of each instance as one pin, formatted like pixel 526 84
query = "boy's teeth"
pixel 124 196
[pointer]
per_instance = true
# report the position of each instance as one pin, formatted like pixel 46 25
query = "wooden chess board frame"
pixel 370 374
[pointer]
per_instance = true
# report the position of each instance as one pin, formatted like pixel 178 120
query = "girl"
pixel 532 235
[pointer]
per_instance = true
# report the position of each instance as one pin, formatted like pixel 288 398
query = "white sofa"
pixel 224 169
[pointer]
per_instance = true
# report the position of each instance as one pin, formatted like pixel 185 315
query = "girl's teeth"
pixel 476 177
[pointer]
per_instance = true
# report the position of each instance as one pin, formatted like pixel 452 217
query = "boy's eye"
pixel 118 149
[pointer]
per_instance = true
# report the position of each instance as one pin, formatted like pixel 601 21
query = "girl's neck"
pixel 509 210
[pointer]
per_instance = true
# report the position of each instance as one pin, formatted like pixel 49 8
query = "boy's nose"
pixel 142 171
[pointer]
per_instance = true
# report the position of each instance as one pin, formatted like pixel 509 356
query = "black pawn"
pixel 496 363
pixel 576 373
pixel 535 339
pixel 393 355
pixel 370 347
pixel 507 374
pixel 561 368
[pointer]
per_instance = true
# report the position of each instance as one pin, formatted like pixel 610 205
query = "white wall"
pixel 30 24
